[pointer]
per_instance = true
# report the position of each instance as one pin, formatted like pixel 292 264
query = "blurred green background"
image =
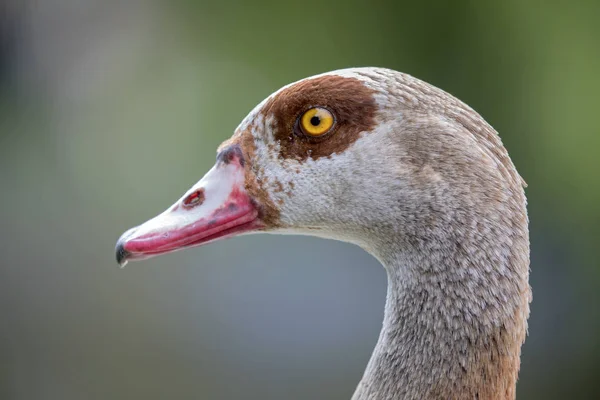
pixel 110 110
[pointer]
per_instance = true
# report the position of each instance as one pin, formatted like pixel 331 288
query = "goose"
pixel 412 175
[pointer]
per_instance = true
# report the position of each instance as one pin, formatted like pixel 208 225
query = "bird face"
pixel 365 156
pixel 306 160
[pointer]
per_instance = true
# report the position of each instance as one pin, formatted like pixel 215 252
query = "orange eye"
pixel 316 122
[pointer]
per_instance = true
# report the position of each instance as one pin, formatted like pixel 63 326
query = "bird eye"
pixel 316 122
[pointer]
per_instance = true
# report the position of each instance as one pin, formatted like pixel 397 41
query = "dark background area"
pixel 110 110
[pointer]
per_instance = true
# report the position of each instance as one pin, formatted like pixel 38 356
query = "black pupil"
pixel 315 121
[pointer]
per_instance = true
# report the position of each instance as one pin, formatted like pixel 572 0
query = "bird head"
pixel 356 155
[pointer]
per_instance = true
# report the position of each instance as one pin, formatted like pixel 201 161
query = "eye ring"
pixel 316 122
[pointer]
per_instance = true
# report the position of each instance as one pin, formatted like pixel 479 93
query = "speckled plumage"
pixel 432 193
pixel 413 176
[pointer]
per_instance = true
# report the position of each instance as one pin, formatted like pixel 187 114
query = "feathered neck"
pixel 455 316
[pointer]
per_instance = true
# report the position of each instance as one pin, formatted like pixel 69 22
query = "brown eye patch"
pixel 349 100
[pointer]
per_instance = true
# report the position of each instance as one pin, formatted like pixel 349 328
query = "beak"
pixel 217 207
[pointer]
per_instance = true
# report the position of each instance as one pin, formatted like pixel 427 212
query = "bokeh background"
pixel 110 110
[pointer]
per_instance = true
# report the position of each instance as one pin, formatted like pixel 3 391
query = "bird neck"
pixel 453 326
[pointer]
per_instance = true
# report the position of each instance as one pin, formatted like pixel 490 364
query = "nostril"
pixel 194 199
